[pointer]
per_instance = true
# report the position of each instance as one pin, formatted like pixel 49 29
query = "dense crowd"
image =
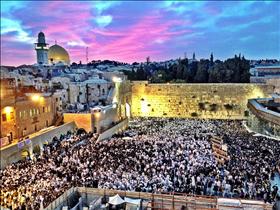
pixel 156 154
pixel 34 183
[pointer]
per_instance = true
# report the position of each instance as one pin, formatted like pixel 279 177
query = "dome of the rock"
pixel 58 54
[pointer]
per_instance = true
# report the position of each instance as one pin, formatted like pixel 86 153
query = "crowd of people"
pixel 153 155
pixel 34 183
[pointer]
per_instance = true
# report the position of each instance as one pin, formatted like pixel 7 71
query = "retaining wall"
pixel 207 100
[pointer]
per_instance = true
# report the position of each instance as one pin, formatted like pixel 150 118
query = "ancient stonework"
pixel 213 101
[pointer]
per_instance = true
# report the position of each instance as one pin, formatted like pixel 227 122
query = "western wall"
pixel 212 101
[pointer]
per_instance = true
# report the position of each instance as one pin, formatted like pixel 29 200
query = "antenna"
pixel 87 55
pixel 185 55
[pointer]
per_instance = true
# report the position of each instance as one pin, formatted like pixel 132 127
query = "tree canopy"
pixel 232 70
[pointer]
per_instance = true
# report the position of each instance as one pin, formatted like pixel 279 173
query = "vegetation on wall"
pixel 201 106
pixel 228 106
pixel 194 114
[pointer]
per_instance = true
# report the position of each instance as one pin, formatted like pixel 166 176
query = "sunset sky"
pixel 131 31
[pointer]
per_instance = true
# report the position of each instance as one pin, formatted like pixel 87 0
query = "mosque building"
pixel 54 55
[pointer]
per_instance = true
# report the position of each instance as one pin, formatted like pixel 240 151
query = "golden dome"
pixel 58 54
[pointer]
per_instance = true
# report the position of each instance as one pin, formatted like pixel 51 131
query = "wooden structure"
pixel 219 149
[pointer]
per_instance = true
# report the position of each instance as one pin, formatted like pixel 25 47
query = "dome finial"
pixel 55 42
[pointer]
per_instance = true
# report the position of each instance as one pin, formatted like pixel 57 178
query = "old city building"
pixel 24 111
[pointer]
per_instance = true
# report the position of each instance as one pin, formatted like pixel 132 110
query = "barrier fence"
pixel 219 149
pixel 160 201
pixel 167 201
pixel 61 199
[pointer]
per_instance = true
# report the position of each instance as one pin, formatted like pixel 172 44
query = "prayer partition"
pixel 219 149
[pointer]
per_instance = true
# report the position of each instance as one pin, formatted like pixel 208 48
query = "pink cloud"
pixel 138 41
pixel 15 56
pixel 74 24
pixel 105 32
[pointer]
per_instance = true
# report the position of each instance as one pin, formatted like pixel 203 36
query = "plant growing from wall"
pixel 213 107
pixel 228 106
pixel 194 114
pixel 201 106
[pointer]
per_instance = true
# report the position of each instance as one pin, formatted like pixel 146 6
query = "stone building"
pixel 100 118
pixel 261 74
pixel 33 113
pixel 7 106
pixel 89 91
pixel 76 93
pixel 97 89
pixel 104 117
pixel 60 98
pixel 23 111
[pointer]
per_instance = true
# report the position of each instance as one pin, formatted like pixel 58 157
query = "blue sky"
pixel 131 31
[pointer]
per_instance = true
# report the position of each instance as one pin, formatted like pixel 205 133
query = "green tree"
pixel 192 70
pixel 202 71
pixel 216 74
pixel 244 70
pixel 179 70
pixel 211 59
pixel 141 74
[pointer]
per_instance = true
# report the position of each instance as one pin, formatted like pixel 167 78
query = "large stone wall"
pixel 216 101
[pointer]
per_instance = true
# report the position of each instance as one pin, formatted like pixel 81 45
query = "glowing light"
pixel 116 79
pixel 42 99
pixel 8 109
pixel 114 105
pixel 115 100
pixel 257 93
pixel 127 109
pixel 35 97
pixel 97 114
pixel 144 107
